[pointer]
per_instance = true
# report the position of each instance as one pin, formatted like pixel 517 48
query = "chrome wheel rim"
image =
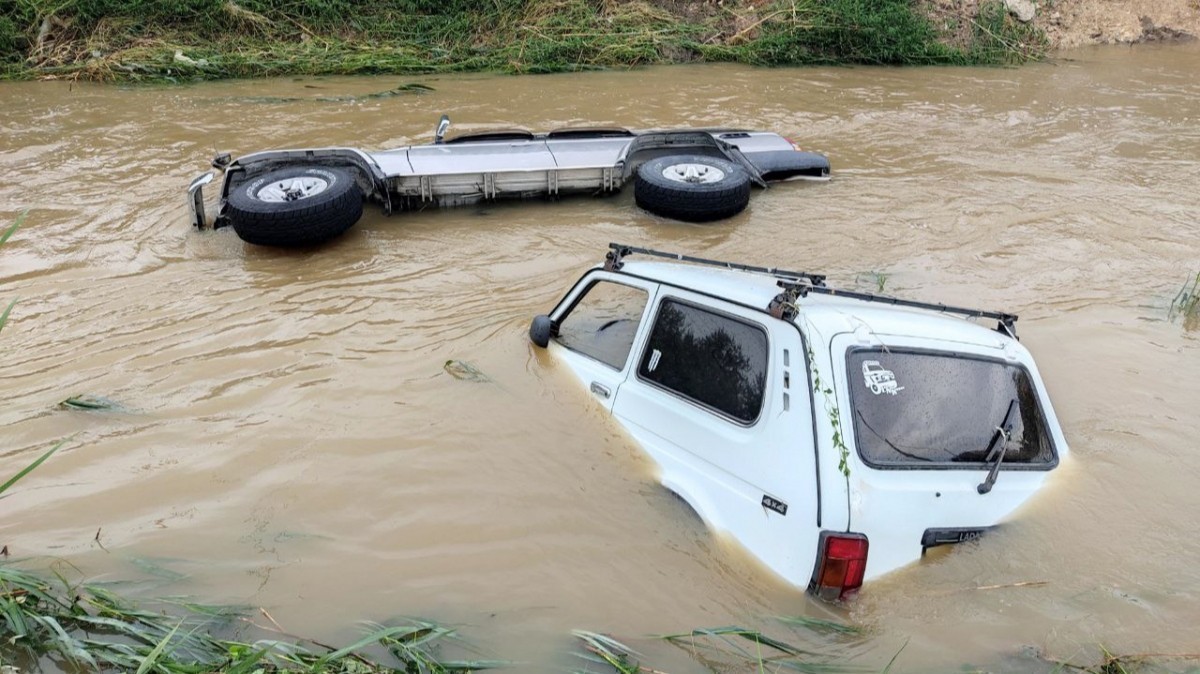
pixel 693 173
pixel 292 189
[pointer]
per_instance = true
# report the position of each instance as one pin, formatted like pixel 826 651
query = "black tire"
pixel 302 221
pixel 698 201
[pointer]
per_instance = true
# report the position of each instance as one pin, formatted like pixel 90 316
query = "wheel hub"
pixel 292 189
pixel 693 173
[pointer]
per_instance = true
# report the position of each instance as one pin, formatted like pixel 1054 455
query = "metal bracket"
pixel 735 154
pixel 1008 326
pixel 612 260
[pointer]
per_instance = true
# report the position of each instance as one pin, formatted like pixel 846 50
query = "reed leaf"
pixel 7 311
pixel 27 469
pixel 151 660
pixel 13 227
pixel 821 625
pixel 606 650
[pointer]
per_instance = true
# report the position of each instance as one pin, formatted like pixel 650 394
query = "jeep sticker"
pixel 878 379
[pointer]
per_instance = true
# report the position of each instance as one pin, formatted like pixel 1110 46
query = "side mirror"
pixel 541 330
pixel 440 132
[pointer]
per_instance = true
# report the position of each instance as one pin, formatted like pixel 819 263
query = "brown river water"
pixel 287 437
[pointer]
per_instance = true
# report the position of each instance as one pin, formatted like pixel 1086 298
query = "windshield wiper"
pixel 1003 431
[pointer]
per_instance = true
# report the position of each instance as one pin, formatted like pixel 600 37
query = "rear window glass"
pixel 603 322
pixel 713 359
pixel 914 408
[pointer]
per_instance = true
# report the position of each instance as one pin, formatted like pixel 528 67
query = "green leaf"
pixel 151 659
pixel 9 232
pixel 13 480
pixel 4 316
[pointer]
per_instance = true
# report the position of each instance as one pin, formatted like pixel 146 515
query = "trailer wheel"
pixel 692 188
pixel 298 206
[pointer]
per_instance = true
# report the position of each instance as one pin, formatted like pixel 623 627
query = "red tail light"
pixel 841 564
pixel 794 145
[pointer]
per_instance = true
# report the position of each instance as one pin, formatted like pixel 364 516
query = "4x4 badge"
pixel 774 504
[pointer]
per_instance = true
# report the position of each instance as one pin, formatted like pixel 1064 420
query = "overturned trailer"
pixel 307 196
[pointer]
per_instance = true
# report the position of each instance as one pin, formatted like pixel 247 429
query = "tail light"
pixel 793 143
pixel 841 564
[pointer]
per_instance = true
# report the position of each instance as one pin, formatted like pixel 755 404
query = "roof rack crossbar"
pixel 1006 320
pixel 618 251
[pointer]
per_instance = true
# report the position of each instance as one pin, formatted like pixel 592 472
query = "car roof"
pixel 827 314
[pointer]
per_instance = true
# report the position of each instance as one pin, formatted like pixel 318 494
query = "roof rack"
pixel 1006 321
pixel 798 284
pixel 613 262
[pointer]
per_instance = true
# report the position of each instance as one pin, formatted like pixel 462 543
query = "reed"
pixel 12 229
pixel 1186 305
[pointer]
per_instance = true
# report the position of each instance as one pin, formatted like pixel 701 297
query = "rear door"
pixel 927 422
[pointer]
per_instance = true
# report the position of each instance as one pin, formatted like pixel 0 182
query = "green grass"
pixel 3 320
pixel 90 629
pixel 1185 306
pixel 162 40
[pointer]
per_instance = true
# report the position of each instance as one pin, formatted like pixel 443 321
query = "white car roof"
pixel 824 313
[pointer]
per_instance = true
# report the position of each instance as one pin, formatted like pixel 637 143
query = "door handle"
pixel 600 389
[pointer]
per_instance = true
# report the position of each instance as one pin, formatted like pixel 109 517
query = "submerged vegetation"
pixel 1186 305
pixel 53 624
pixel 158 40
pixel 88 628
pixel 4 237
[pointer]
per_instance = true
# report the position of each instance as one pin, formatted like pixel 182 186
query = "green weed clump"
pixel 173 40
pixel 90 629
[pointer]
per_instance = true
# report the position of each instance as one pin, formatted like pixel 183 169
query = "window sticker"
pixel 879 380
pixel 654 358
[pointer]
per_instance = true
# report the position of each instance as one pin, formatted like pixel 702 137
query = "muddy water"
pixel 287 436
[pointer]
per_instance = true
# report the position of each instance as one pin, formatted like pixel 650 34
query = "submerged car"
pixel 837 435
pixel 307 196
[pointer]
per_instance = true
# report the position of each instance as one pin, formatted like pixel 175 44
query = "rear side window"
pixel 603 322
pixel 707 357
pixel 917 409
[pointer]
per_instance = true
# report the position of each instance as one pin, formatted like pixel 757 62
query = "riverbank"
pixel 214 39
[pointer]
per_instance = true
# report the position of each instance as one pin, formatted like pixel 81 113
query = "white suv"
pixel 813 424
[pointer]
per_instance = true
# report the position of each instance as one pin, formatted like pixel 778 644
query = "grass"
pixel 80 627
pixel 12 229
pixel 160 40
pixel 1186 305
pixel 722 647
pixel 728 649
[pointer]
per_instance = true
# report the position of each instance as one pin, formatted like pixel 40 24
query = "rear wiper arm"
pixel 1003 431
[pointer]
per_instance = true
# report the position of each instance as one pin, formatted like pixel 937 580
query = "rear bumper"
pixel 195 199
